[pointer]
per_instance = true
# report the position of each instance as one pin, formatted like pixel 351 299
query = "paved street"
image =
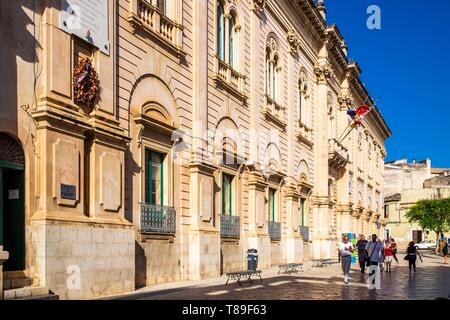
pixel 431 281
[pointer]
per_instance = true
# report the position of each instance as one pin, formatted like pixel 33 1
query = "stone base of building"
pixel 82 261
pixel 293 249
pixel 232 256
pixel 264 247
pixel 204 254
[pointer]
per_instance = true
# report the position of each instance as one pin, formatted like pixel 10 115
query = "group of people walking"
pixel 374 253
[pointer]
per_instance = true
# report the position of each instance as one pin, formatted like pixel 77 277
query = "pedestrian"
pixel 345 252
pixel 381 261
pixel 373 254
pixel 445 251
pixel 411 255
pixel 394 250
pixel 388 254
pixel 361 247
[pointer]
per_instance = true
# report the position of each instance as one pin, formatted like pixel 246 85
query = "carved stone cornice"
pixel 321 201
pixel 256 180
pixel 345 102
pixel 323 73
pixel 258 6
pixel 294 41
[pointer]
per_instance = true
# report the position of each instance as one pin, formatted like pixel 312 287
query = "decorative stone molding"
pixel 345 102
pixel 258 6
pixel 294 41
pixel 323 73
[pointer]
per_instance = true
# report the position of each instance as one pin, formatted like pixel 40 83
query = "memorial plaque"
pixel 87 19
pixel 68 192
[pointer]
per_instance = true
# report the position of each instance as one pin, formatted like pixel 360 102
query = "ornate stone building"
pixel 216 129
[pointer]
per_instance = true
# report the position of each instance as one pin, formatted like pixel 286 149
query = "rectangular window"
pixel 302 210
pixel 154 177
pixel 386 212
pixel 272 193
pixel 227 195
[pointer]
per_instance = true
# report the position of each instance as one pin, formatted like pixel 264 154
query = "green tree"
pixel 432 215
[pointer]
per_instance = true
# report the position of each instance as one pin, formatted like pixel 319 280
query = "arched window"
pixel 232 39
pixel 268 72
pixel 302 103
pixel 220 31
pixel 275 77
pixel 272 68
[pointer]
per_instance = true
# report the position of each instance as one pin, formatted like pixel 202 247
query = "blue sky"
pixel 407 65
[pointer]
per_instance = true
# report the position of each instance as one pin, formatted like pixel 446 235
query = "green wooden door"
pixel 12 214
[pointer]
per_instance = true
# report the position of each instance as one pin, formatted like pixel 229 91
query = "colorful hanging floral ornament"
pixel 85 82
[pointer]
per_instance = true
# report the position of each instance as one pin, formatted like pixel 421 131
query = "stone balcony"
pixel 337 154
pixel 304 134
pixel 274 112
pixel 147 18
pixel 229 78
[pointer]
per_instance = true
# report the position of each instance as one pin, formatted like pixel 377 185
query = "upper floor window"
pixel 227 29
pixel 350 183
pixel 302 102
pixel 272 69
pixel 220 31
pixel 162 6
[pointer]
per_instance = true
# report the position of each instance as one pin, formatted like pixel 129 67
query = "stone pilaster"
pixel 204 238
pixel 4 255
pixel 322 212
pixel 257 236
pixel 291 239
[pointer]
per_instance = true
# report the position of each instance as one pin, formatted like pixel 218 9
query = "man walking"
pixel 374 253
pixel 345 252
pixel 361 247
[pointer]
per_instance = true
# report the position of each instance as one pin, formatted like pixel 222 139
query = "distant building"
pixel 405 184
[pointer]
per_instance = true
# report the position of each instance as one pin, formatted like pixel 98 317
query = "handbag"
pixel 368 260
pixel 406 257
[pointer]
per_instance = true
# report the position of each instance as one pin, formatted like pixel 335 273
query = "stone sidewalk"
pixel 431 281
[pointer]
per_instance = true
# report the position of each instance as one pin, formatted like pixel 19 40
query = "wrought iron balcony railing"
pixel 230 226
pixel 304 232
pixel 157 219
pixel 274 230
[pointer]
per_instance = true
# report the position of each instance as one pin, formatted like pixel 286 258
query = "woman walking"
pixel 388 254
pixel 412 253
pixel 345 252
pixel 445 251
pixel 394 250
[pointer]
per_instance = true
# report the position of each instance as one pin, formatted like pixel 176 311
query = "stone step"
pixel 8 275
pixel 16 283
pixel 26 293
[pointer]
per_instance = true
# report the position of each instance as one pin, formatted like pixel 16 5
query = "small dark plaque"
pixel 68 192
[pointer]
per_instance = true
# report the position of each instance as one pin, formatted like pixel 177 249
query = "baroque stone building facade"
pixel 217 130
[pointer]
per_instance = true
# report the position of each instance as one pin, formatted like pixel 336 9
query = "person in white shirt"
pixel 345 252
pixel 374 252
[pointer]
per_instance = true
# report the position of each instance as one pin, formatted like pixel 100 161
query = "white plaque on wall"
pixel 87 19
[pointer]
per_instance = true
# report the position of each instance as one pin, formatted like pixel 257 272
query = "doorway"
pixel 12 203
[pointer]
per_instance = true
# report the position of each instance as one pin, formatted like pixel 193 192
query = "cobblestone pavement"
pixel 431 281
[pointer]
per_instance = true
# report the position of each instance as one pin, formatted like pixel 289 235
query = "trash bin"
pixel 252 259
